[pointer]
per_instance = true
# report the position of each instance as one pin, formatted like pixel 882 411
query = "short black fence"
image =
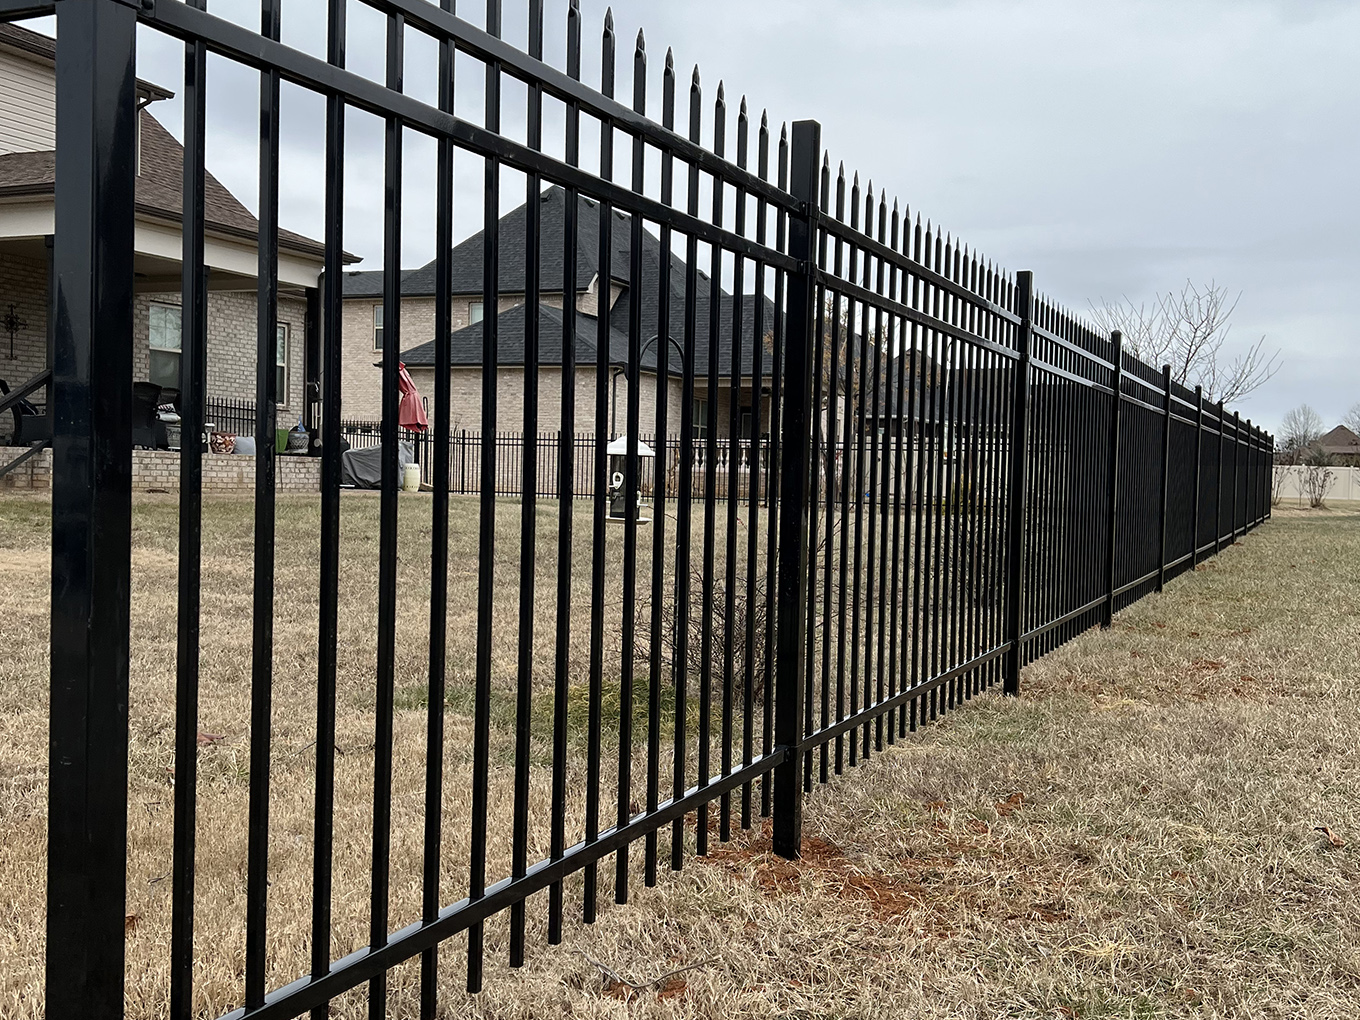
pixel 235 417
pixel 545 450
pixel 966 477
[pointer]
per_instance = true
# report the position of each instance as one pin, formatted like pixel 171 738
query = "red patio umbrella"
pixel 411 414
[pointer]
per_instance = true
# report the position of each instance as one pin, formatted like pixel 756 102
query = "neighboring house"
pixel 1342 445
pixel 364 334
pixel 27 175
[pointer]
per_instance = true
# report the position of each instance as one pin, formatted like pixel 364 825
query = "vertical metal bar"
pixel 605 285
pixel 659 476
pixel 439 536
pixel 790 665
pixel 753 486
pixel 892 471
pixel 856 390
pixel 486 551
pixel 1199 475
pixel 842 333
pixel 827 370
pixel 917 448
pixel 733 495
pixel 632 486
pixel 874 337
pixel 528 531
pixel 91 509
pixel 328 622
pixel 711 479
pixel 1019 482
pixel 685 505
pixel 772 494
pixel 385 673
pixel 566 485
pixel 194 331
pixel 1237 445
pixel 262 648
pixel 329 552
pixel 1112 515
pixel 1166 477
pixel 1217 486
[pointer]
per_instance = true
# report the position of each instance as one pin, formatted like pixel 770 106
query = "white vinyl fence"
pixel 1292 485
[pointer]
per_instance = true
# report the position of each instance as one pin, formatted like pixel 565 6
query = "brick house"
pixel 27 175
pixel 363 333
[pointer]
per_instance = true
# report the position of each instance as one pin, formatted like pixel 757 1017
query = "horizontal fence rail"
pixel 618 659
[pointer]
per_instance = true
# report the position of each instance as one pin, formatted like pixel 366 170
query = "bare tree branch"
pixel 1189 331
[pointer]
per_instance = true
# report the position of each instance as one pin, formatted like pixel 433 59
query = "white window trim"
pixel 281 396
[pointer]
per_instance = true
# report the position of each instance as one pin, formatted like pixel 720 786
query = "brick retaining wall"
pixel 159 469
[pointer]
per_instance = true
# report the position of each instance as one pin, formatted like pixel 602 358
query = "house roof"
pixel 159 188
pixel 44 47
pixel 466 263
pixel 465 345
pixel 1340 440
pixel 466 270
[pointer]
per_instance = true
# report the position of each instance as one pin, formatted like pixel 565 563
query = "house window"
pixel 281 364
pixel 163 369
pixel 700 418
pixel 474 312
pixel 377 327
pixel 747 420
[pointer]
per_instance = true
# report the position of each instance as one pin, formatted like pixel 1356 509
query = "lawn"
pixel 1133 837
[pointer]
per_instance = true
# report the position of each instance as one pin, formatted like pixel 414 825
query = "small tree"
pixel 1188 331
pixel 1279 475
pixel 1317 477
pixel 1299 431
pixel 1352 419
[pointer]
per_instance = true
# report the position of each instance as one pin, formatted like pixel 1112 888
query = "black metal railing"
pixel 966 475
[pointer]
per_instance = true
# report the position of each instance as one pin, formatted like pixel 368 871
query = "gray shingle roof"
pixel 466 270
pixel 465 345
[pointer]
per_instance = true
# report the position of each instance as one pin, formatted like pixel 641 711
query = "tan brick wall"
pixel 232 346
pixel 231 336
pixel 23 283
pixel 361 387
pixel 159 469
pixel 465 393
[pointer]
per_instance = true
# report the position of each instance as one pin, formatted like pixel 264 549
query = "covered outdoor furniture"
pixel 362 469
pixel 148 430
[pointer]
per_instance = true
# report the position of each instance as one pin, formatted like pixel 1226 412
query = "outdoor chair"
pixel 148 431
pixel 30 424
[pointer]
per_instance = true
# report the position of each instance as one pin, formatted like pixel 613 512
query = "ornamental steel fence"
pixel 965 476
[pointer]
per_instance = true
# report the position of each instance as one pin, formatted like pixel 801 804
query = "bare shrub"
pixel 1317 477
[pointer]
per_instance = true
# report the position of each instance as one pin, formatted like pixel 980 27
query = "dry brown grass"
pixel 1132 838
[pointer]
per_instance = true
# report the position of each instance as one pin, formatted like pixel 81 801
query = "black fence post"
pixel 1218 484
pixel 1199 475
pixel 1166 476
pixel 1117 343
pixel 794 485
pixel 1237 454
pixel 91 509
pixel 1019 484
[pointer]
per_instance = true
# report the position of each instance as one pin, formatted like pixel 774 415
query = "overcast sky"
pixel 1115 148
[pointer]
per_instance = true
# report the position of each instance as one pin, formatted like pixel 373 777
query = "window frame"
pixel 378 326
pixel 283 332
pixel 480 313
pixel 176 313
pixel 700 416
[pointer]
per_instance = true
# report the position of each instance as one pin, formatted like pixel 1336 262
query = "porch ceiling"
pixel 157 269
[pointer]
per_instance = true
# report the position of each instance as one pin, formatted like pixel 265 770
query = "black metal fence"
pixel 545 449
pixel 904 568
